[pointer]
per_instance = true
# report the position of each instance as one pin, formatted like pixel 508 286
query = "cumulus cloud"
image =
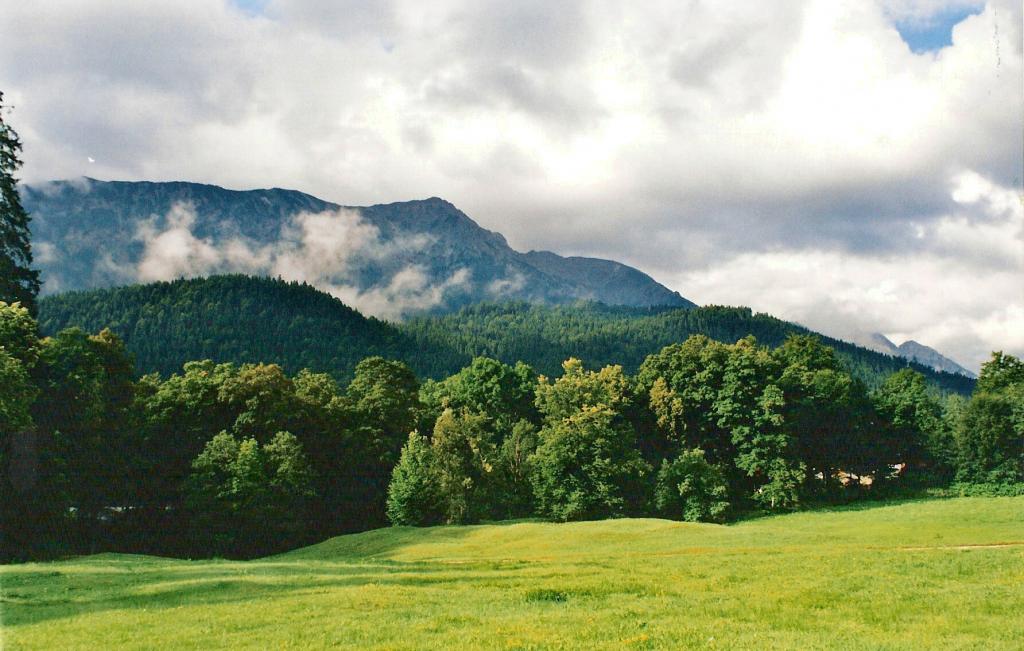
pixel 961 290
pixel 682 137
pixel 325 249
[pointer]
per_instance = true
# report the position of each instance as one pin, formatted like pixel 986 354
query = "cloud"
pixel 44 252
pixel 409 290
pixel 961 290
pixel 174 251
pixel 686 138
pixel 927 11
pixel 503 287
pixel 326 249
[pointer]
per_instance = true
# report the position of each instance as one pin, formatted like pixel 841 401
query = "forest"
pixel 243 460
pixel 166 324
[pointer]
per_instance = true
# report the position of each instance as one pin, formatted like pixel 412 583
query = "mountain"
pixel 168 323
pixel 388 260
pixel 928 356
pixel 913 351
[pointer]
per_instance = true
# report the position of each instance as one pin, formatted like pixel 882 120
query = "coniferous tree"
pixel 413 495
pixel 19 283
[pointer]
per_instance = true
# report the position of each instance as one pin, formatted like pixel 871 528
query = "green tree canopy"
pixel 250 500
pixel 689 488
pixel 587 466
pixel 413 494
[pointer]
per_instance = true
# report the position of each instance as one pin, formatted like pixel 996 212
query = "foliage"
pixel 912 421
pixel 245 499
pixel 86 392
pixel 167 324
pixel 501 392
pixel 600 335
pixel 991 438
pixel 18 394
pixel 515 459
pixel 586 466
pixel 296 326
pixel 1001 372
pixel 465 466
pixel 413 494
pixel 989 431
pixel 689 488
pixel 19 334
pixel 19 283
pixel 826 411
pixel 249 458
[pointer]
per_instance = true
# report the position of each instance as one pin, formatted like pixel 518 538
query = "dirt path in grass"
pixel 999 545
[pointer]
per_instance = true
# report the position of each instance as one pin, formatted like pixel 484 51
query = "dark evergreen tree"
pixel 19 283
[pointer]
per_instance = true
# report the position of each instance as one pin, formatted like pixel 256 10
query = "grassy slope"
pixel 886 577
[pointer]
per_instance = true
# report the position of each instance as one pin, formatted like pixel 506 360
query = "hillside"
pixel 229 318
pixel 387 259
pixel 166 324
pixel 895 576
pixel 600 335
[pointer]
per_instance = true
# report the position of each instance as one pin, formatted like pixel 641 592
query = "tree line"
pixel 165 324
pixel 242 460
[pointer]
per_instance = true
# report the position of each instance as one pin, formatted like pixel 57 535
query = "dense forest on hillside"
pixel 599 334
pixel 230 318
pixel 168 323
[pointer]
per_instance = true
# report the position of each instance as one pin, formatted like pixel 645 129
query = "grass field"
pixel 929 574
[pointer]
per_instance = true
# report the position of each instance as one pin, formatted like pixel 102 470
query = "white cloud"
pixel 961 291
pixel 174 251
pixel 409 290
pixel 323 249
pixel 502 287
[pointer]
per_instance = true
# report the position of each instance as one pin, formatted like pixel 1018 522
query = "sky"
pixel 855 166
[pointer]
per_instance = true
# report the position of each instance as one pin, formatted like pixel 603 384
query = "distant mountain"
pixel 168 323
pixel 390 259
pixel 913 351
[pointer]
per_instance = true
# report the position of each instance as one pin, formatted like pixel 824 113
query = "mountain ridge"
pixel 395 258
pixel 913 351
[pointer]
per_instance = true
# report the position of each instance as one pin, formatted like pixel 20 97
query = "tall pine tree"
pixel 18 281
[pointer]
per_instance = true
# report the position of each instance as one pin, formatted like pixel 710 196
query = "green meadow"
pixel 927 574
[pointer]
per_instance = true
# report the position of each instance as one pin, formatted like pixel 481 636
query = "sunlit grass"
pixel 930 574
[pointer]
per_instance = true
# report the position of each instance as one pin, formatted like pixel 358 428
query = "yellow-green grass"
pixel 929 574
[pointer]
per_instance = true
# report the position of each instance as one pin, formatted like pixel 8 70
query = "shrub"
pixel 689 488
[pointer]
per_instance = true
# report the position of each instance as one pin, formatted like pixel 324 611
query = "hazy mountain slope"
pixel 930 357
pixel 388 259
pixel 241 319
pixel 913 351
